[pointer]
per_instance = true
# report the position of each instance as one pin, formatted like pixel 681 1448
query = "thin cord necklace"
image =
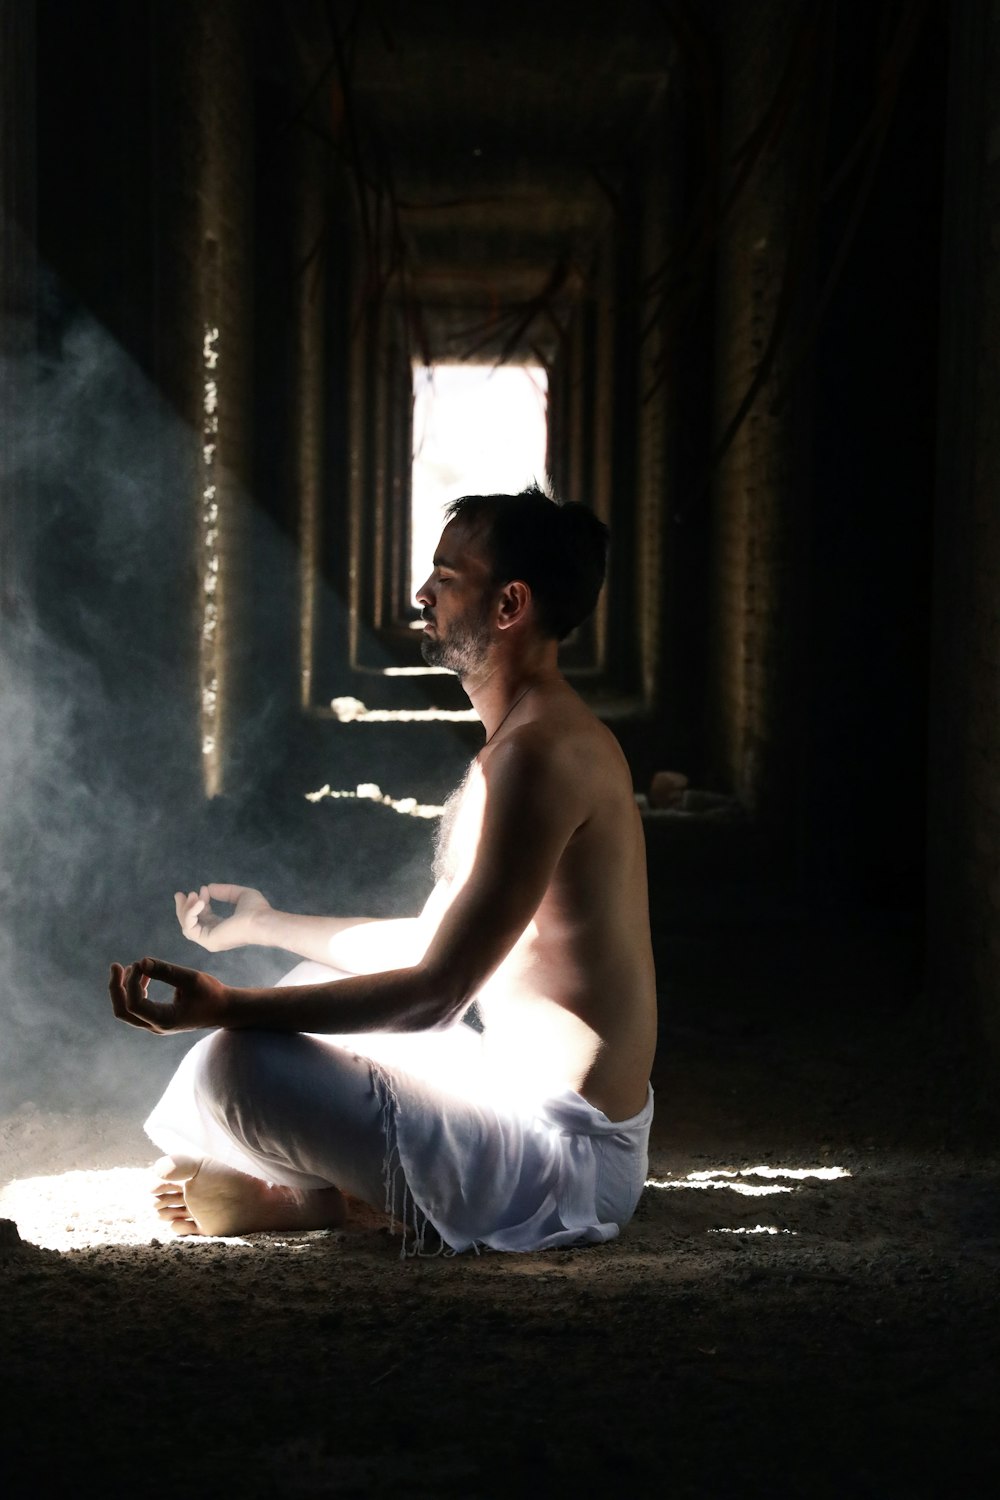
pixel 507 715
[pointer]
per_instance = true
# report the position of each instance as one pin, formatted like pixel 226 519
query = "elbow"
pixel 448 1017
pixel 445 998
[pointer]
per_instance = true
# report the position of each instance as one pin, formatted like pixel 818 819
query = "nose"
pixel 424 594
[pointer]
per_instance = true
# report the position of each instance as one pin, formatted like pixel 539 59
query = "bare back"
pixel 574 998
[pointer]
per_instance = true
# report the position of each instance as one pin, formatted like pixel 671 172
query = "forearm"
pixel 409 999
pixel 307 937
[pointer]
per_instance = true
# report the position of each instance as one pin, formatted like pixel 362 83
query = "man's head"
pixel 559 551
pixel 499 553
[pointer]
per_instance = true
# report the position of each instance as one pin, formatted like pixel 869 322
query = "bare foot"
pixel 204 1197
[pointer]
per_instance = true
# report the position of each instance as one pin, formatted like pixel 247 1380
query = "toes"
pixel 174 1212
pixel 166 1209
pixel 184 1227
pixel 176 1168
pixel 168 1192
pixel 172 1175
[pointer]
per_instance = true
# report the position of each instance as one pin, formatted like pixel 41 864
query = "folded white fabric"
pixel 477 1154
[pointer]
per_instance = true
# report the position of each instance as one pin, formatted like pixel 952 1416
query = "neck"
pixel 495 692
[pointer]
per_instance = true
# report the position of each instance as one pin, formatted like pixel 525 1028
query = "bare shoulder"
pixel 562 748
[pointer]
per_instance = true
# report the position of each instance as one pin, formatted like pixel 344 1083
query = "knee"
pixel 238 1078
pixel 233 1065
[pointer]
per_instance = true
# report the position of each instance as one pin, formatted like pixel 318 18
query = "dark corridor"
pixel 752 244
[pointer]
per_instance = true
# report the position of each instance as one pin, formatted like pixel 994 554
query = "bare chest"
pixel 460 831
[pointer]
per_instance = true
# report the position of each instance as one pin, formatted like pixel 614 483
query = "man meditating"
pixel 356 1075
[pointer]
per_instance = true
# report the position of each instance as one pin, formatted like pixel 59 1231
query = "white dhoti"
pixel 416 1123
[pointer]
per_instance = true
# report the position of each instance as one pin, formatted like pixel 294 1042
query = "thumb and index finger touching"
pixel 215 890
pixel 125 995
pixel 158 968
pixel 153 968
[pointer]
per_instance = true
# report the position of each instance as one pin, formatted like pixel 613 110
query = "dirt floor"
pixel 805 1305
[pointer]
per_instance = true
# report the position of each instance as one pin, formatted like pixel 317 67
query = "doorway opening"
pixel 477 430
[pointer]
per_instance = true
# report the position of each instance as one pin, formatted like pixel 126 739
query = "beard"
pixel 465 648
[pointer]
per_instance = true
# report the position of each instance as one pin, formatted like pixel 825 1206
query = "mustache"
pixel 425 614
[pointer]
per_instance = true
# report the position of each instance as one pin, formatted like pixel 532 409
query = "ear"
pixel 513 604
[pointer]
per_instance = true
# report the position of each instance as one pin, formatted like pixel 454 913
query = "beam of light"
pixel 353 711
pixel 477 429
pixel 369 792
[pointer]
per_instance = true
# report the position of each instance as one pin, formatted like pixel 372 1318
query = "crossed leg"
pixel 301 1114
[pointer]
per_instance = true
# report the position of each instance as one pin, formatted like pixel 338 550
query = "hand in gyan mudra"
pixel 201 924
pixel 198 1000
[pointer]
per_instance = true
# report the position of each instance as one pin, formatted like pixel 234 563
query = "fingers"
pixel 218 892
pixel 154 1015
pixel 119 985
pixel 196 922
pixel 228 893
pixel 185 915
pixel 136 992
pixel 156 968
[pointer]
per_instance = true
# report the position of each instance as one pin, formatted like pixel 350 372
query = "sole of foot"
pixel 206 1198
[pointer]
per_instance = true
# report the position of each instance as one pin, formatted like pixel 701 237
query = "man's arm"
pixel 358 945
pixel 254 922
pixel 529 814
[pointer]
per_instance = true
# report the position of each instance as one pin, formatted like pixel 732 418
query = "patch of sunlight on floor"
pixel 825 1174
pixel 745 1189
pixel 757 1229
pixel 78 1210
pixel 729 1177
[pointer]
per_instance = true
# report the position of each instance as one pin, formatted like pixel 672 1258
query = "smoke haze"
pixel 102 815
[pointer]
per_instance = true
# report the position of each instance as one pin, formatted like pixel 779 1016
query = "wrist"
pixel 263 927
pixel 232 1006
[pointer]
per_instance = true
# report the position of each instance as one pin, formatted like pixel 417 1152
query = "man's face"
pixel 457 602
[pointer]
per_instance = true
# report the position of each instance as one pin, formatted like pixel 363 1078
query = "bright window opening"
pixel 477 430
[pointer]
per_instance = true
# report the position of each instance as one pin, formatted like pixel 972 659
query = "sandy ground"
pixel 805 1305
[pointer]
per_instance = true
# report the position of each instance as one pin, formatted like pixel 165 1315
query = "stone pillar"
pixel 204 162
pixel 756 492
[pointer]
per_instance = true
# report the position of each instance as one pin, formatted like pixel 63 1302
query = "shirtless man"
pixel 541 916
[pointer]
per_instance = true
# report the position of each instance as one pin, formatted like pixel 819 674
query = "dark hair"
pixel 560 551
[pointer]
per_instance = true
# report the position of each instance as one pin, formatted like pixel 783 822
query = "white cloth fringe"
pixel 404 1212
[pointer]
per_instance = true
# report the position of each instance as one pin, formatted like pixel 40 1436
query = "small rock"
pixel 10 1239
pixel 667 788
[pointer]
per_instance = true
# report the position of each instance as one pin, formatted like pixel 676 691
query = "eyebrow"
pixel 442 562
